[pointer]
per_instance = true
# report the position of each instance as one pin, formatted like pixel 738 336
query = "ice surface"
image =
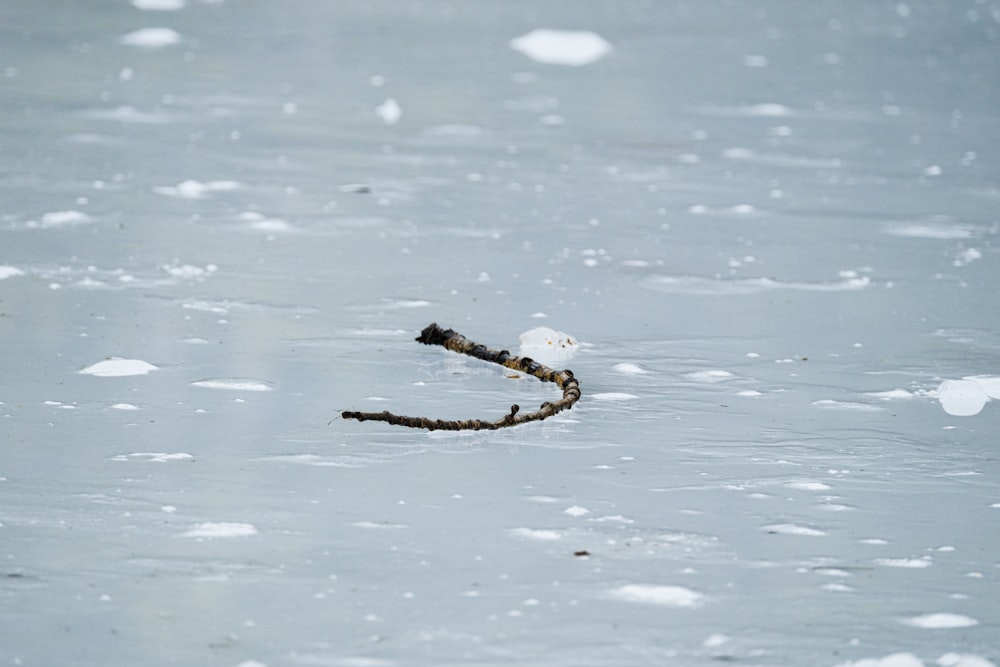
pixel 769 228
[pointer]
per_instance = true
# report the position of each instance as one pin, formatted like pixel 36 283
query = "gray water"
pixel 772 227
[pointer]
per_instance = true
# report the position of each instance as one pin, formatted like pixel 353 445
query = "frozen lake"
pixel 772 227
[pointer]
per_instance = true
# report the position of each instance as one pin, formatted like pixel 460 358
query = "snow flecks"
pixel 151 38
pixel 234 384
pixel 659 595
pixel 540 535
pixel 793 529
pixel 117 367
pixel 211 530
pixel 562 47
pixel 939 621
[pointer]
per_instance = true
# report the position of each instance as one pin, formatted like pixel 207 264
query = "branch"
pixel 456 342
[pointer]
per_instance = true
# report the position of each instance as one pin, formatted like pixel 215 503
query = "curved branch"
pixel 456 342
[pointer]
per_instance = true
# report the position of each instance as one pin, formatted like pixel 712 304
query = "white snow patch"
pixel 903 562
pixel 629 369
pixel 711 376
pixel 793 529
pixel 562 47
pixel 962 398
pixel 124 406
pixel 191 189
pixel 665 596
pixel 964 660
pixel 893 660
pixel 389 111
pixel 221 529
pixel 189 271
pixel 9 272
pixel 234 384
pixel 159 5
pixel 116 367
pixel 548 345
pixel 576 510
pixel 830 404
pixel 151 38
pixel 939 621
pixel 155 457
pixel 929 230
pixel 541 535
pixel 613 396
pixel 61 219
pixel 808 486
pixel 891 394
pixel 730 286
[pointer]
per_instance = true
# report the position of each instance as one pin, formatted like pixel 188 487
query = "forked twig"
pixel 456 342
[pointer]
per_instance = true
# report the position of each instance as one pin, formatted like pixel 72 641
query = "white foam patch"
pixel 221 530
pixel 191 189
pixel 540 535
pixel 710 376
pixel 653 594
pixel 962 398
pixel 116 367
pixel 629 369
pixel 830 404
pixel 234 384
pixel 793 529
pixel 893 660
pixel 939 621
pixel 159 5
pixel 938 231
pixel 9 272
pixel 151 38
pixel 700 285
pixel 916 563
pixel 562 47
pixel 154 457
pixel 613 396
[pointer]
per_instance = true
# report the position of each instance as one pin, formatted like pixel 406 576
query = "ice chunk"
pixel 989 383
pixel 223 529
pixel 151 38
pixel 562 47
pixel 666 596
pixel 117 367
pixel 962 398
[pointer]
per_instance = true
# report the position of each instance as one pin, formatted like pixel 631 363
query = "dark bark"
pixel 456 342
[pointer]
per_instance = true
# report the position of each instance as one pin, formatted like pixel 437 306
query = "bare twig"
pixel 456 342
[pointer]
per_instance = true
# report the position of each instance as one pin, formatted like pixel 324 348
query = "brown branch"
pixel 456 342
